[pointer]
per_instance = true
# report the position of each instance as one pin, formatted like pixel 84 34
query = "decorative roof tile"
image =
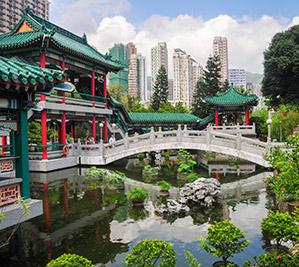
pixel 58 36
pixel 155 117
pixel 17 72
pixel 232 97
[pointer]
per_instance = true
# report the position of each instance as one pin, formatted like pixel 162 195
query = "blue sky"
pixel 141 9
pixel 190 25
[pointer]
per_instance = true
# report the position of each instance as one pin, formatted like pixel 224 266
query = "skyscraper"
pixel 142 78
pixel 131 53
pixel 237 77
pixel 12 11
pixel 159 57
pixel 220 49
pixel 186 73
pixel 118 52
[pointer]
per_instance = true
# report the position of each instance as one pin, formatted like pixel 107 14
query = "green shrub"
pixel 186 167
pixel 141 156
pixel 192 177
pixel 280 227
pixel 148 169
pixel 274 259
pixel 164 185
pixel 70 260
pixel 138 194
pixel 285 182
pixel 150 253
pixel 224 239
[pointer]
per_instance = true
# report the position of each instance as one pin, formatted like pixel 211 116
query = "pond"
pixel 102 226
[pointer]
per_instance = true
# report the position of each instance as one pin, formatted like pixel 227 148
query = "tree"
pixel 224 239
pixel 160 89
pixel 70 260
pixel 152 253
pixel 209 84
pixel 281 68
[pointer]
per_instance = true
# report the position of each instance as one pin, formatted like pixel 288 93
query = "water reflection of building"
pixel 71 212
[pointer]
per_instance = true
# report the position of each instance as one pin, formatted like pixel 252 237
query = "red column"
pixel 247 117
pixel 62 65
pixel 42 60
pixel 63 123
pixel 106 106
pixel 216 118
pixel 4 143
pixel 93 90
pixel 44 130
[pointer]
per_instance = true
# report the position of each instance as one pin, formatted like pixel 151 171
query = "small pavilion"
pixel 232 101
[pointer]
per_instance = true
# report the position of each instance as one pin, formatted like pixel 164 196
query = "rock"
pixel 202 191
pixel 172 208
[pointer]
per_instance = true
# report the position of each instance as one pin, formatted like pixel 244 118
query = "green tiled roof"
pixel 58 37
pixel 17 72
pixel 232 97
pixel 143 117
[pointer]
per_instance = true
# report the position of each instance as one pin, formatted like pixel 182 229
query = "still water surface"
pixel 102 226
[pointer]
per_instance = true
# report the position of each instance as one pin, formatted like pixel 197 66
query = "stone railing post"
pixel 126 141
pixel 208 135
pixel 152 136
pixel 238 140
pixel 179 133
pixel 185 131
pixel 101 148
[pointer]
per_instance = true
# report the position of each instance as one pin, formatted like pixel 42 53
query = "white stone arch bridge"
pixel 211 139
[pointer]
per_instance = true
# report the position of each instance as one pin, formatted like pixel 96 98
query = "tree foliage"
pixel 281 68
pixel 160 89
pixel 152 253
pixel 224 239
pixel 210 84
pixel 70 260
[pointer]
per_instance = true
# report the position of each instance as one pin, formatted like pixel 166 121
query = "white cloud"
pixel 84 15
pixel 247 38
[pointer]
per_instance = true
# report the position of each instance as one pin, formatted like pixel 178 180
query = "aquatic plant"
pixel 165 186
pixel 70 260
pixel 192 177
pixel 149 170
pixel 224 239
pixel 186 167
pixel 152 253
pixel 138 194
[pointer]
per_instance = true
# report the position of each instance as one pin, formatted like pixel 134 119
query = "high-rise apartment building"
pixel 118 52
pixel 186 73
pixel 197 72
pixel 131 49
pixel 133 76
pixel 237 77
pixel 159 57
pixel 12 11
pixel 220 49
pixel 142 78
pixel 131 53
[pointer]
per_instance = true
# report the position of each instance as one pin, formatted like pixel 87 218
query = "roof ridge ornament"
pixel 28 10
pixel 84 38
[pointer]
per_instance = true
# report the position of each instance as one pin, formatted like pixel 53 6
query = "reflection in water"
pixel 101 225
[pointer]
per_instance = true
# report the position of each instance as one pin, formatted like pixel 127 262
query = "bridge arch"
pixel 207 140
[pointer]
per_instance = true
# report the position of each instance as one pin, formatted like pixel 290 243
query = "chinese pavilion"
pixel 38 41
pixel 232 101
pixel 19 81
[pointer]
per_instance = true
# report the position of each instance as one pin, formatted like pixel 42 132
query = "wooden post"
pixel 216 118
pixel 42 60
pixel 247 117
pixel 94 126
pixel 4 143
pixel 44 130
pixel 106 106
